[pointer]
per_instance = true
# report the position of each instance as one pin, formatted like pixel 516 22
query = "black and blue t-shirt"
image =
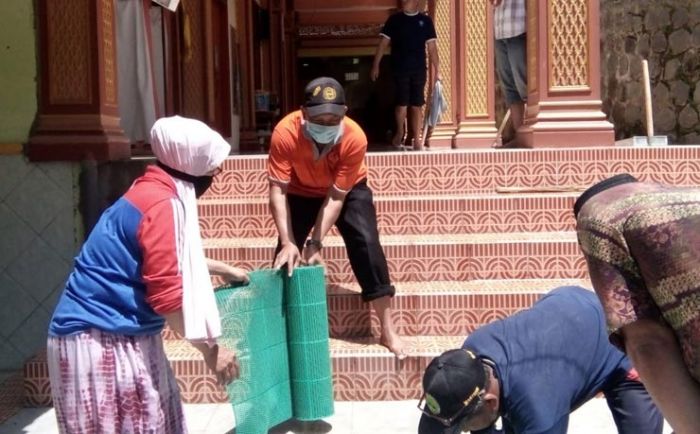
pixel 408 34
pixel 550 359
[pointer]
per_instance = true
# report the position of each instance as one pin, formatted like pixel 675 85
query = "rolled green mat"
pixel 279 330
pixel 309 352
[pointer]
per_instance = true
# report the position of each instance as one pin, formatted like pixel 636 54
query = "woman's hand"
pixel 223 363
pixel 234 274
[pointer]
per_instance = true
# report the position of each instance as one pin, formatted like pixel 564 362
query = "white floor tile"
pixel 222 421
pixel 198 416
pixel 399 417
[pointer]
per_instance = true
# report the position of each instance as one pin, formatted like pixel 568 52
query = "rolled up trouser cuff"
pixel 379 292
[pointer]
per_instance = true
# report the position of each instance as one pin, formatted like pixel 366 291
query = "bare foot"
pixel 508 145
pixel 394 343
pixel 397 140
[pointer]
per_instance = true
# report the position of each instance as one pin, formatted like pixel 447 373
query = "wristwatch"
pixel 312 242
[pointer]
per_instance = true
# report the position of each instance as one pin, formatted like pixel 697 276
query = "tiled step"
pixel 362 371
pixel 437 308
pixel 545 255
pixel 410 215
pixel 486 171
pixel 433 308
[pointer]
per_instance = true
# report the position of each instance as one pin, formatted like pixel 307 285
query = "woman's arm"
pixel 220 360
pixel 229 273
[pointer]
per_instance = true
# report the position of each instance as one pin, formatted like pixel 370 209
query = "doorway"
pixel 370 104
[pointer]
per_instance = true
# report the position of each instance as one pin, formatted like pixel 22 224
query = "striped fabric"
pixel 642 245
pixel 509 19
pixel 112 384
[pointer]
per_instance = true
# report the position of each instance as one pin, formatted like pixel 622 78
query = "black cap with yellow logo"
pixel 324 95
pixel 453 384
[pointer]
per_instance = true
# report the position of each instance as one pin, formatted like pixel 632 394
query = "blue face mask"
pixel 323 134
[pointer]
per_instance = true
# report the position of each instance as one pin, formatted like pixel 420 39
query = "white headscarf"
pixel 190 146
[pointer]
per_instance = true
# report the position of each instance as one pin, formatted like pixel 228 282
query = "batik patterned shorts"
pixel 642 245
pixel 103 383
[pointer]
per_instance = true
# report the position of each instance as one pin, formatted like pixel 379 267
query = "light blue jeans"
pixel 511 55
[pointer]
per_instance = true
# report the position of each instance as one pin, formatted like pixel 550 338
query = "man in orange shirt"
pixel 318 178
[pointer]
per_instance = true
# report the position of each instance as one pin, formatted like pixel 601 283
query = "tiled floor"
pixel 397 417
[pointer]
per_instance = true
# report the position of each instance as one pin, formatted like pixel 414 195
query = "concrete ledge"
pixel 10 149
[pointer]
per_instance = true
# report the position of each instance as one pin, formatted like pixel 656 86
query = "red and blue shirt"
pixel 127 273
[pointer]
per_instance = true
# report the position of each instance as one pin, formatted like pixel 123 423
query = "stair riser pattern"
pixel 364 378
pixel 411 217
pixel 447 262
pixel 378 378
pixel 425 315
pixel 419 315
pixel 484 172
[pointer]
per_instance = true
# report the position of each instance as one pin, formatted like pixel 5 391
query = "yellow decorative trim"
pixel 476 89
pixel 10 149
pixel 108 52
pixel 564 89
pixel 532 41
pixel 443 28
pixel 568 45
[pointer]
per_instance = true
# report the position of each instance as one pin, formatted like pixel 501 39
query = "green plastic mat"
pixel 278 327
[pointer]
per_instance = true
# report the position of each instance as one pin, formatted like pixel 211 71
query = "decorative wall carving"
pixel 532 41
pixel 568 44
pixel 364 30
pixel 108 52
pixel 443 27
pixel 193 67
pixel 69 59
pixel 476 53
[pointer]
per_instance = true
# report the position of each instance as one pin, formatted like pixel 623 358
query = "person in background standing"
pixel 408 32
pixel 509 18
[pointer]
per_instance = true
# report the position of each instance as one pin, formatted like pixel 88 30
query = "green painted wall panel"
pixel 18 70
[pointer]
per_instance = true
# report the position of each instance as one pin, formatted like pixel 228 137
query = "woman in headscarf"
pixel 142 266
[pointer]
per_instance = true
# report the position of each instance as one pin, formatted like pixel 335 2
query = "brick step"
pixel 362 371
pixel 544 255
pixel 410 215
pixel 459 172
pixel 433 308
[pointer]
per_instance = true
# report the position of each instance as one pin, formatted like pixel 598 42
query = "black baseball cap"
pixel 324 95
pixel 452 386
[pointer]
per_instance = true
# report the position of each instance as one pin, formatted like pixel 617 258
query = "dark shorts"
pixel 410 89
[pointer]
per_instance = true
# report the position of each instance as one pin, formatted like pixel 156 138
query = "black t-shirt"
pixel 408 35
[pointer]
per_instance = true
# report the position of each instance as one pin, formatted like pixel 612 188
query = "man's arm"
pixel 381 49
pixel 327 216
pixel 283 221
pixel 656 355
pixel 434 60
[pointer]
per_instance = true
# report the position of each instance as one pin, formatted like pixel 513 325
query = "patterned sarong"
pixel 642 245
pixel 104 383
